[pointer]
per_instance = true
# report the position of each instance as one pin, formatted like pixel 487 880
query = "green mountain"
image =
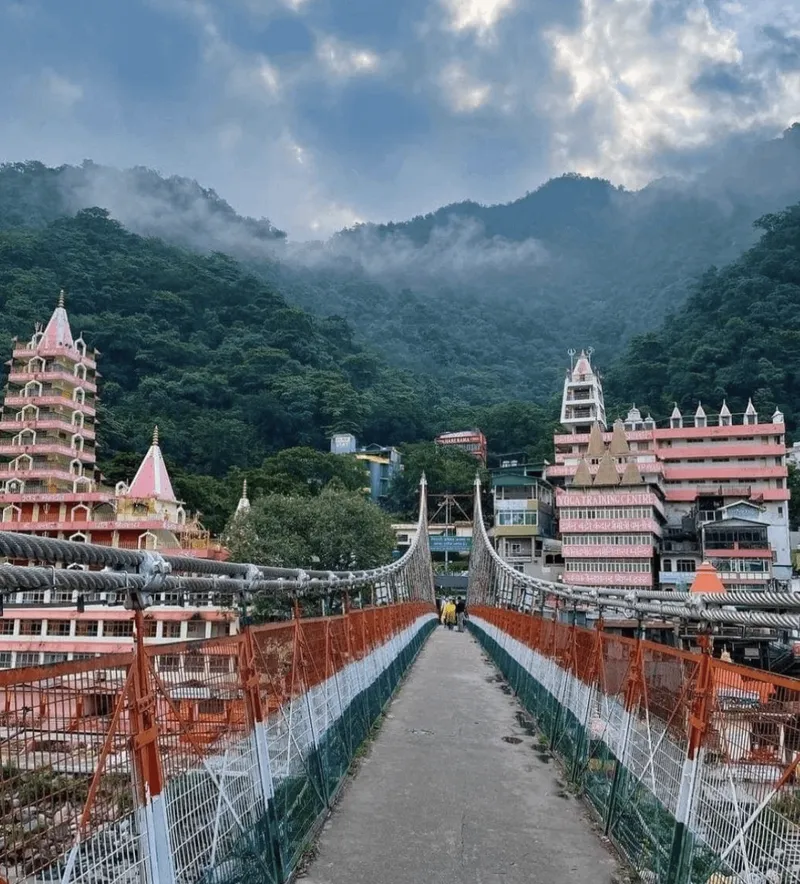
pixel 398 331
pixel 485 300
pixel 737 336
pixel 228 370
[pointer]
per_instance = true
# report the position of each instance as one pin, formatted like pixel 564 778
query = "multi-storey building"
pixel 582 403
pixel 523 532
pixel 611 516
pixel 381 463
pixel 51 487
pixel 723 478
pixel 472 441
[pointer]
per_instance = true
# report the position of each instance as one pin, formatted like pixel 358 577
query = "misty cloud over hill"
pixel 487 298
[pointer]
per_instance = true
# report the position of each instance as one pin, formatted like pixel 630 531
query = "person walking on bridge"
pixel 449 614
pixel 461 613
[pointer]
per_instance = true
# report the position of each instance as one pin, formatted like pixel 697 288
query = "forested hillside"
pixel 483 299
pixel 212 354
pixel 218 354
pixel 738 335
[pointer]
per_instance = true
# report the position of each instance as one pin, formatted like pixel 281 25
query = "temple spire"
pixel 244 502
pixel 582 400
pixel 152 479
pixel 57 332
pixel 597 447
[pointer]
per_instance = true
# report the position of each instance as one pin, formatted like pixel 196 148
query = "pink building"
pixel 611 517
pixel 50 486
pixel 723 478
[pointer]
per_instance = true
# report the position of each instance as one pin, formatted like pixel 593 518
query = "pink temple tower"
pixel 47 433
pixel 50 486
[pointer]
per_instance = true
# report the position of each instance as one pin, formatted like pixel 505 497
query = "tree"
pixel 793 484
pixel 306 471
pixel 446 469
pixel 336 530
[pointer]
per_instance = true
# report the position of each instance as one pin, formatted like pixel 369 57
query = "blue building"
pixel 382 462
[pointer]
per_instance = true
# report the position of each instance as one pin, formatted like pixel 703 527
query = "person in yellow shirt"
pixel 449 614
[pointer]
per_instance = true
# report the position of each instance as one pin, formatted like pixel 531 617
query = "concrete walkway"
pixel 442 799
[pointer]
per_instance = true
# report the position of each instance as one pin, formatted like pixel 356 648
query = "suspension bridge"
pixel 533 750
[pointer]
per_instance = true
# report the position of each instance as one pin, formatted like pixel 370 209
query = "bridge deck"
pixel 441 798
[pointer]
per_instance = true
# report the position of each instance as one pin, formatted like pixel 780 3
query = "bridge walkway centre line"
pixel 442 798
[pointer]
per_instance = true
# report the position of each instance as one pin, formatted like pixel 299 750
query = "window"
pixel 86 628
pixel 30 627
pixel 118 628
pixel 686 566
pixel 169 663
pixel 5 659
pixel 170 629
pixel 54 658
pixel 211 707
pixel 196 629
pixel 759 566
pixel 666 565
pixel 58 627
pixel 517 517
pixel 517 492
pixel 219 664
pixel 6 627
pixel 605 566
pixel 607 540
pixel 614 512
pixel 150 628
pixel 219 629
pixel 195 663
pixel 33 598
pixel 27 660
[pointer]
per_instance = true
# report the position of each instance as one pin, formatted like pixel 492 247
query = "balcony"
pixel 39 472
pixel 48 376
pixel 43 448
pixel 579 413
pixel 68 353
pixel 709 472
pixel 607 551
pixel 611 578
pixel 754 577
pixel 48 492
pixel 45 422
pixel 609 526
pixel 58 400
pixel 702 452
pixel 82 525
pixel 754 548
pixel 677 578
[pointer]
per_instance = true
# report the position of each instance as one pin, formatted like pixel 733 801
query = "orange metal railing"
pixel 690 761
pixel 85 746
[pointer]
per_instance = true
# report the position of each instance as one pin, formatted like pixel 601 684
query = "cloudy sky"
pixel 320 113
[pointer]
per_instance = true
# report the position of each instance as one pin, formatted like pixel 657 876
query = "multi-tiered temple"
pixel 51 486
pixel 644 505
